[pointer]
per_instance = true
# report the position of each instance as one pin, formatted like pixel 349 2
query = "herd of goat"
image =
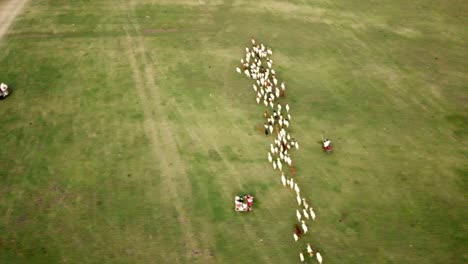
pixel 258 65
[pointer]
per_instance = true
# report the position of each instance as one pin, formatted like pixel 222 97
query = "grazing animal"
pixel 301 256
pixel 319 257
pixel 298 199
pixel 283 179
pixel 287 108
pixel 238 70
pixel 274 165
pixel 305 204
pixel 291 183
pixel 309 250
pixel 298 215
pixel 312 213
pixel 304 227
pixel 295 237
pixel 296 188
pixel 306 215
pixel 298 230
pixel 270 159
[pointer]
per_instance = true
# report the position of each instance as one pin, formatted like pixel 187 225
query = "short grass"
pixel 128 132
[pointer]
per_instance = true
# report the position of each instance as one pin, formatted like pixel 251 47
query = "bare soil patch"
pixel 9 10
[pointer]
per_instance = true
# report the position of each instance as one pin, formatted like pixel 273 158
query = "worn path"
pixel 9 9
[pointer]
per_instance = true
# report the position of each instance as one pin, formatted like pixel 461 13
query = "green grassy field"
pixel 128 132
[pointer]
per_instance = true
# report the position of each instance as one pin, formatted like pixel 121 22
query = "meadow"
pixel 128 131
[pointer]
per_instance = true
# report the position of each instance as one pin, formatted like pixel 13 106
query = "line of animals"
pixel 258 65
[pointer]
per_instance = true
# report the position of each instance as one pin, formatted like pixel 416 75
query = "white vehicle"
pixel 243 203
pixel 3 90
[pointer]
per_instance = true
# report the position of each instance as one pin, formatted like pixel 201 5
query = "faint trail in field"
pixel 160 133
pixel 204 138
pixel 9 10
pixel 164 145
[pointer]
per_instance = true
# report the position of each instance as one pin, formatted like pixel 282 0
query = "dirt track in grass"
pixel 9 10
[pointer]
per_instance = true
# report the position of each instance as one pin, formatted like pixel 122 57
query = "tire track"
pixel 163 143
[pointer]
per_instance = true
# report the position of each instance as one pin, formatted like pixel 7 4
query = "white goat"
pixel 319 257
pixel 306 215
pixel 312 213
pixel 298 215
pixel 309 250
pixel 304 227
pixel 298 199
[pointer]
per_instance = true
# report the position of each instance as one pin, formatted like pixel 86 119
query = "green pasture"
pixel 128 132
